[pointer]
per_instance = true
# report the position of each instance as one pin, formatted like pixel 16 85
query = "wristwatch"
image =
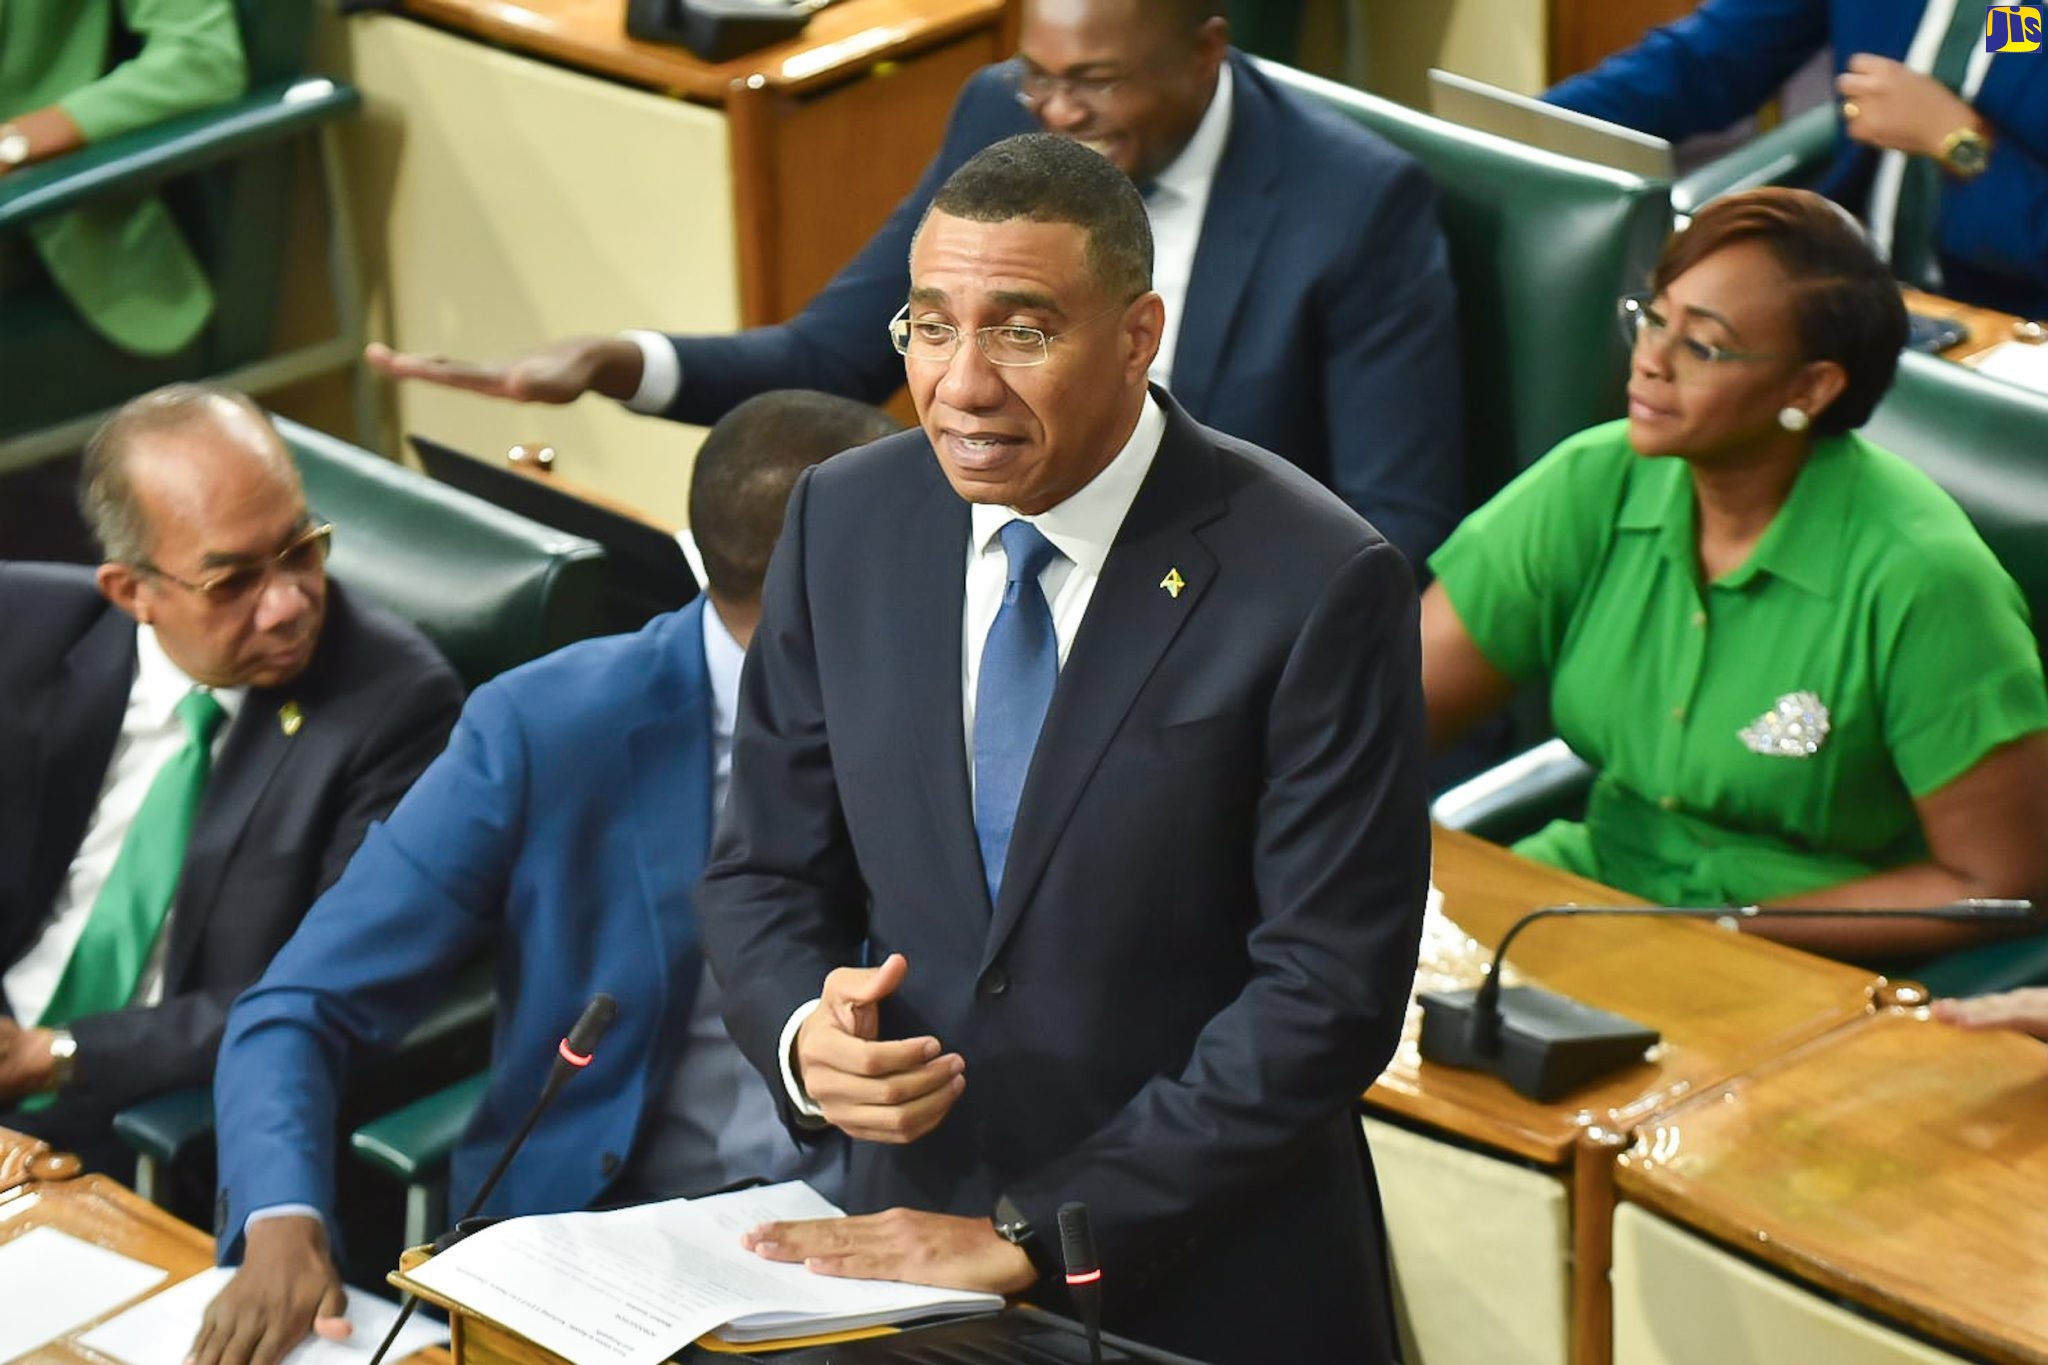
pixel 1013 1227
pixel 1965 153
pixel 63 1057
pixel 13 146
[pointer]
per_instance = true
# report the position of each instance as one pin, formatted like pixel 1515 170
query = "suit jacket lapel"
pixel 1244 201
pixel 931 591
pixel 1131 620
pixel 249 759
pixel 73 734
pixel 669 755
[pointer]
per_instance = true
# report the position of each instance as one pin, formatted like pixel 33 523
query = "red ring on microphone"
pixel 573 1058
pixel 1087 1277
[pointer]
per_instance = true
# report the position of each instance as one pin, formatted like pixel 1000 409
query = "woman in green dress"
pixel 1801 676
pixel 123 265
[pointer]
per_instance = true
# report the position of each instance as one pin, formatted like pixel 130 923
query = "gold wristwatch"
pixel 1965 153
pixel 63 1057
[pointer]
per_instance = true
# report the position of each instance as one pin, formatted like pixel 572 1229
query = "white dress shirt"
pixel 1890 178
pixel 1082 529
pixel 151 735
pixel 1178 202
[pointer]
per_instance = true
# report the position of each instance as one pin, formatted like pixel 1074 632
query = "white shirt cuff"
pixel 661 373
pixel 806 1107
pixel 280 1211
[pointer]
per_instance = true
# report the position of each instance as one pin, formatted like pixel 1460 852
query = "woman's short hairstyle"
pixel 1845 303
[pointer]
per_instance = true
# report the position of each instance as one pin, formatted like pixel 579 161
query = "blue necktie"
pixel 1020 663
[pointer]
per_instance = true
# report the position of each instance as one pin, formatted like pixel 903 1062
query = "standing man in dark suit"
pixel 1308 297
pixel 1099 734
pixel 195 738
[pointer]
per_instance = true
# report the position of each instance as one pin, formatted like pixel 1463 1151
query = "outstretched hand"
pixel 560 372
pixel 877 1091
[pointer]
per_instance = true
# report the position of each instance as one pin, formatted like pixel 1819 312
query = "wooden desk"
pixel 39 1188
pixel 1899 1164
pixel 1988 327
pixel 1724 1002
pixel 524 171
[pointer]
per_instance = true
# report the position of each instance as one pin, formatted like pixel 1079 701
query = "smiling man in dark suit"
pixel 1308 297
pixel 1099 733
pixel 196 736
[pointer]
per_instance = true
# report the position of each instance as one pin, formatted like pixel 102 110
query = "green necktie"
pixel 114 947
pixel 1916 222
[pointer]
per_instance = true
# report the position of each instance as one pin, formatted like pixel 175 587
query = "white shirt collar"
pixel 1189 175
pixel 1084 526
pixel 160 684
pixel 723 660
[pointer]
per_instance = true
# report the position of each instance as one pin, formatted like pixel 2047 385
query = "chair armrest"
pixel 1519 796
pixel 136 161
pixel 413 1144
pixel 1790 154
pixel 165 1128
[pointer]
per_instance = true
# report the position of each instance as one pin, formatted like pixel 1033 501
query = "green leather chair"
pixel 1541 245
pixel 1984 441
pixel 228 175
pixel 492 589
pixel 412 1145
pixel 1793 153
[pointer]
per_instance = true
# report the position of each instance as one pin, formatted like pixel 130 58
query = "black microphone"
pixel 572 1054
pixel 1546 1046
pixel 1084 1273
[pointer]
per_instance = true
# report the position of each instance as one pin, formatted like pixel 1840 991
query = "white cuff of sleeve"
pixel 805 1105
pixel 280 1211
pixel 661 373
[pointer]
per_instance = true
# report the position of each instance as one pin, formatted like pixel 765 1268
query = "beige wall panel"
pixel 1680 1300
pixel 1481 1251
pixel 1503 41
pixel 505 203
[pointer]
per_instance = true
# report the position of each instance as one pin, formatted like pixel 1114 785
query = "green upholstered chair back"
pixel 275 36
pixel 1986 442
pixel 490 587
pixel 1541 245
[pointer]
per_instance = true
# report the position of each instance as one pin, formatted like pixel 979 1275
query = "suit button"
pixel 996 982
pixel 608 1164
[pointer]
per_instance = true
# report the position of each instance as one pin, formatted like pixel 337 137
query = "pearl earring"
pixel 1793 419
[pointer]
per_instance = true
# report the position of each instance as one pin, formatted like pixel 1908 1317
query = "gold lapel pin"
pixel 290 718
pixel 1173 583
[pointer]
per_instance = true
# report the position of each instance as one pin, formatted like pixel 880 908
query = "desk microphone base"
pixel 1549 1045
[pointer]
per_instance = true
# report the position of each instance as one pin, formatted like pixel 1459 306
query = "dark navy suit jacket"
pixel 1724 59
pixel 1320 321
pixel 1202 948
pixel 564 826
pixel 281 816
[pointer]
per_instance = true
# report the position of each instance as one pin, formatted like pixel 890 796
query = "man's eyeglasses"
pixel 1640 322
pixel 1035 87
pixel 303 556
pixel 925 339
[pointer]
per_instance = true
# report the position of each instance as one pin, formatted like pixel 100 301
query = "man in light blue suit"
pixel 1309 306
pixel 1942 142
pixel 566 825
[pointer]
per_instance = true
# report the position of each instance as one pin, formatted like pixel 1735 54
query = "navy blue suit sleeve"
pixel 422 895
pixel 782 902
pixel 839 343
pixel 1341 867
pixel 1999 221
pixel 1714 66
pixel 1393 374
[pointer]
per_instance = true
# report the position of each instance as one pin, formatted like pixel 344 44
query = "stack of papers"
pixel 634 1286
pixel 56 1282
pixel 160 1329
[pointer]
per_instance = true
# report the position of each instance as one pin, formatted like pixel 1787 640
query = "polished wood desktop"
pixel 1987 327
pixel 1899 1164
pixel 1724 1002
pixel 41 1188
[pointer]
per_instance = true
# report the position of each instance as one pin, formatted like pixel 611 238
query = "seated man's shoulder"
pixel 1346 155
pixel 364 644
pixel 66 588
pixel 599 686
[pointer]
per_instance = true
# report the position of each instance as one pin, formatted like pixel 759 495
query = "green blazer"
pixel 123 264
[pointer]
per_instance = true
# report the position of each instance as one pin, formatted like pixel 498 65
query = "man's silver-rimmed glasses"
pixel 1006 344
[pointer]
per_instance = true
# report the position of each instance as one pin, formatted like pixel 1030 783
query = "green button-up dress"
pixel 1764 734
